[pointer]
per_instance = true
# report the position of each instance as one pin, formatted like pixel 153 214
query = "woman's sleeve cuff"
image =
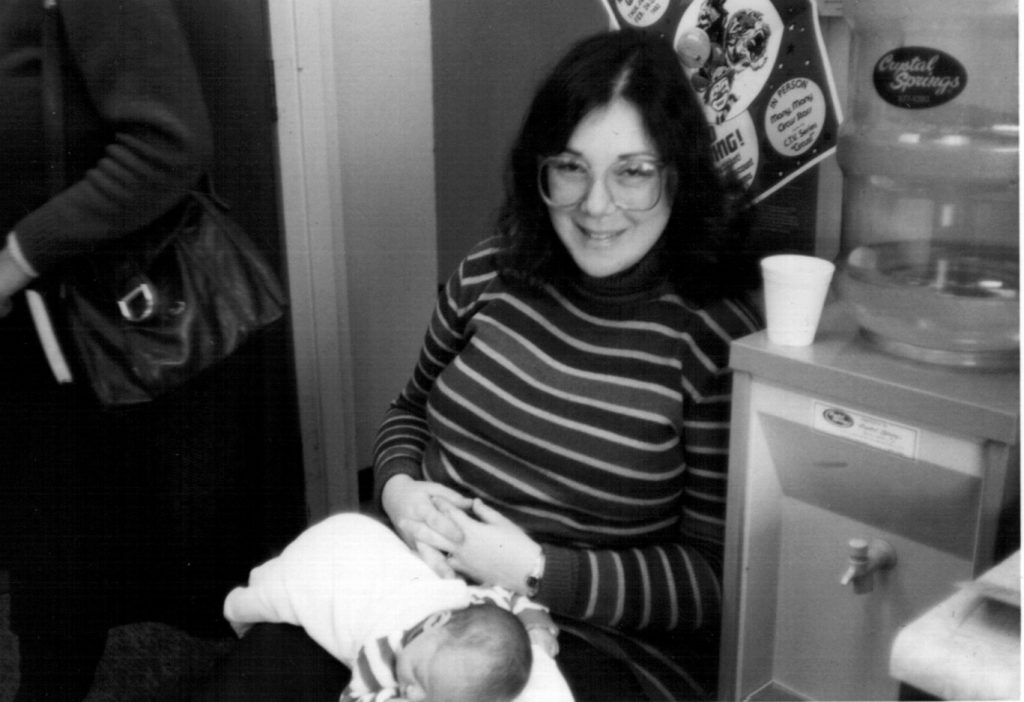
pixel 383 473
pixel 559 588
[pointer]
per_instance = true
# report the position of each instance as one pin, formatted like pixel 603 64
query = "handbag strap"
pixel 53 98
pixel 52 103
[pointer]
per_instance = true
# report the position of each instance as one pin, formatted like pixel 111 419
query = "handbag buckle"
pixel 138 304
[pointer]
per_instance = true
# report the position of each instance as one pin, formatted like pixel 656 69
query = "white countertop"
pixel 968 646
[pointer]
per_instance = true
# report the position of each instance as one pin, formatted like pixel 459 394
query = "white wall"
pixel 383 64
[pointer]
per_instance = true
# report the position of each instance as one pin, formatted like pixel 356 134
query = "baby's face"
pixel 428 673
pixel 416 666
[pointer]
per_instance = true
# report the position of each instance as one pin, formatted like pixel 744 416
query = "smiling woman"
pixel 615 220
pixel 575 378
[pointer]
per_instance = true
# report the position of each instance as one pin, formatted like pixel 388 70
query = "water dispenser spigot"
pixel 867 557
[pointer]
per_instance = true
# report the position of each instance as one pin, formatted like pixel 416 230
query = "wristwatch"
pixel 533 578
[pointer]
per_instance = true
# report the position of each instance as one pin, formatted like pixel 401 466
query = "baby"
pixel 405 633
pixel 477 653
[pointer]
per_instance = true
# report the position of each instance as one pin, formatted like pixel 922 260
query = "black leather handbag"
pixel 189 291
pixel 147 312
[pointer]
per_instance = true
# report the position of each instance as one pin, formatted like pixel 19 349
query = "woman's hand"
pixel 493 550
pixel 547 641
pixel 410 505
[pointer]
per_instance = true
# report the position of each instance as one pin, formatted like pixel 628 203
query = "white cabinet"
pixel 835 442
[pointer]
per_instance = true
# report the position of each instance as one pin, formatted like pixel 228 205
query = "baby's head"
pixel 480 653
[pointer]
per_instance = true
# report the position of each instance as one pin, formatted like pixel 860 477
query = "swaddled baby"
pixel 406 633
pixel 477 653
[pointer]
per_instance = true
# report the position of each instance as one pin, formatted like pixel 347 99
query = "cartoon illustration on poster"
pixel 760 71
pixel 742 39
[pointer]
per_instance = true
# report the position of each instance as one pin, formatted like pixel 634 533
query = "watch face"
pixel 533 579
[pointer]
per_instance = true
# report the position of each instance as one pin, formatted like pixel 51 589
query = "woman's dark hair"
pixel 707 229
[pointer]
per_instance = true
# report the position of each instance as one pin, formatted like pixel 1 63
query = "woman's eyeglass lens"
pixel 633 185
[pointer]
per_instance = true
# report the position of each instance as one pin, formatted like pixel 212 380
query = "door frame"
pixel 302 52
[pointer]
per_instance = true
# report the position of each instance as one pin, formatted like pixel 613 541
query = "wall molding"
pixel 303 55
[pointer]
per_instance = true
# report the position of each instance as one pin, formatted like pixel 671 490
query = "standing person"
pixel 106 513
pixel 574 378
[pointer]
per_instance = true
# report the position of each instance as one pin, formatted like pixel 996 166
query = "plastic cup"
pixel 795 288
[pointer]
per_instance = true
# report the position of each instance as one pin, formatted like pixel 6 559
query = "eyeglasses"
pixel 634 184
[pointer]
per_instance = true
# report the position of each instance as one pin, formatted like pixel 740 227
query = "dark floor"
pixel 142 662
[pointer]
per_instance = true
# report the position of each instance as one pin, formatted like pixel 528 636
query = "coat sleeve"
pixel 133 64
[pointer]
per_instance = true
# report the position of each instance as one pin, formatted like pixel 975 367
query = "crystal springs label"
pixel 916 77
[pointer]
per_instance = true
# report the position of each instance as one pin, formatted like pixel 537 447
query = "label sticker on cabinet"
pixel 876 432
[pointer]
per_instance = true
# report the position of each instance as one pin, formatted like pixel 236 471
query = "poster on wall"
pixel 760 71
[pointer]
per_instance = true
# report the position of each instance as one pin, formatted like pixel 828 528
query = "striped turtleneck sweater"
pixel 594 414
